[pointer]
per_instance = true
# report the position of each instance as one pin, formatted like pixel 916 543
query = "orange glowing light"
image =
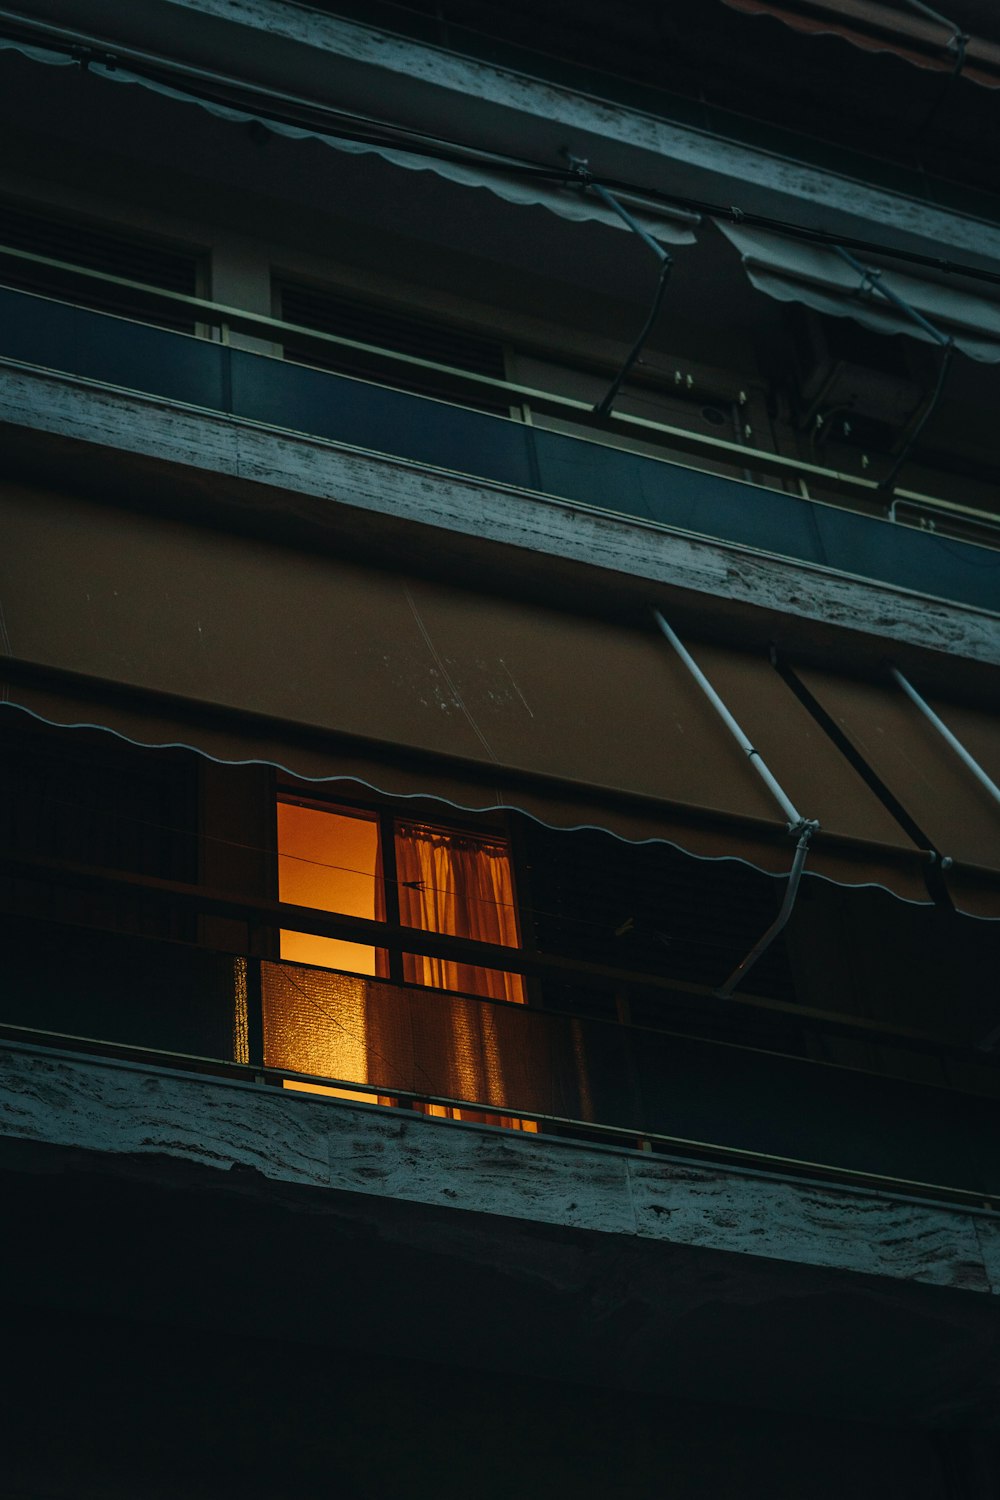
pixel 328 861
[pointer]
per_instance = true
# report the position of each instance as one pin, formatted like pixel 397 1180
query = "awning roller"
pixel 923 40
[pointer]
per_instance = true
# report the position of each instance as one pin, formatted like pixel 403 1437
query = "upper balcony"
pixel 529 441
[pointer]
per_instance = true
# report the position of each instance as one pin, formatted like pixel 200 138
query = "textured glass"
pixel 241 1023
pixel 504 1057
pixel 315 1021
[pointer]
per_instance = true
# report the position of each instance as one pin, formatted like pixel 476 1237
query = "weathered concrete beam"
pixel 67 430
pixel 227 1206
pixel 128 1109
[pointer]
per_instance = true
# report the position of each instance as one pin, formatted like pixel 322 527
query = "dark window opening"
pixel 90 802
pixel 367 323
pixel 116 252
pixel 90 953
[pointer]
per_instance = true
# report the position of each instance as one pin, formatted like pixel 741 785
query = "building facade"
pixel 501 861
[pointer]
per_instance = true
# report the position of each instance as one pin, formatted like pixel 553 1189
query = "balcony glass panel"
pixel 318 403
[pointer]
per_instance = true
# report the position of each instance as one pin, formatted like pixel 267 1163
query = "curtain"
pixel 352 1028
pixel 461 885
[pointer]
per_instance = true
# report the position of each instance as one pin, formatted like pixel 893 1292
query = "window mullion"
pixel 387 841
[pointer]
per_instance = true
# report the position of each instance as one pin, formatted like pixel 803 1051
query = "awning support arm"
pixel 791 891
pixel 956 744
pixel 872 277
pixel 579 167
pixel 795 819
pixel 957 34
pixel 804 828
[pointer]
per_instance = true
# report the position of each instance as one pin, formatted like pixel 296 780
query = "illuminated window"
pixel 348 1026
pixel 329 859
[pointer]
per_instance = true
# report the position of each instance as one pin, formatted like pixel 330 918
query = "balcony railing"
pixel 682 1086
pixel 592 470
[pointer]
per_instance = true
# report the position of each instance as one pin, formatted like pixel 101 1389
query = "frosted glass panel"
pixel 501 1056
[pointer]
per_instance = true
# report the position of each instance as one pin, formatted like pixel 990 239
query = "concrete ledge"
pixel 126 1109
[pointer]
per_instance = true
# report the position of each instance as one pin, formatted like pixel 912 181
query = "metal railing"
pixel 677 1086
pixel 676 1148
pixel 222 320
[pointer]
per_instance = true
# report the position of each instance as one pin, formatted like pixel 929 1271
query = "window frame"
pixel 388 812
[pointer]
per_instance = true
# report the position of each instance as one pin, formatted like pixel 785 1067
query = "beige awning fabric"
pixel 246 650
pixel 916 764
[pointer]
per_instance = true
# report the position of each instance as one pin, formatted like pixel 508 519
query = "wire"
pixel 654 889
pixel 603 406
pixel 375 133
pixel 653 841
pixel 958 41
pixel 889 480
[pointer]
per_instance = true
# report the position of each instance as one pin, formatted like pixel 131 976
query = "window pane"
pixel 459 884
pixel 329 860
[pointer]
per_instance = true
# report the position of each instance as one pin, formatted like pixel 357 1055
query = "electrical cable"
pixel 303 114
pixel 603 406
pixel 524 909
pixel 958 42
pixel 886 484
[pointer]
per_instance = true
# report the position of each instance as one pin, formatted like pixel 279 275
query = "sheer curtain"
pixel 461 885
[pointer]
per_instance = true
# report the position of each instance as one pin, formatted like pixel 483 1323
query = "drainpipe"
pixel 797 825
pixel 579 166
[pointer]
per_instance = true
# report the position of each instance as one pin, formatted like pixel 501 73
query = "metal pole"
pixel 603 407
pixel 946 734
pixel 795 819
pixel 780 921
pixel 623 213
pixel 873 277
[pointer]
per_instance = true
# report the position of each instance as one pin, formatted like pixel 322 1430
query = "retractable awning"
pixel 170 633
pixel 957 815
pixel 875 27
pixel 793 270
pixel 476 169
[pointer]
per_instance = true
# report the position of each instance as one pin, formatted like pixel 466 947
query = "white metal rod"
pixel 946 734
pixel 795 818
